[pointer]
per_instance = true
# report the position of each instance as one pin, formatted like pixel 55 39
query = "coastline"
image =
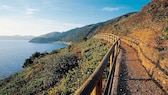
pixel 62 42
pixel 21 50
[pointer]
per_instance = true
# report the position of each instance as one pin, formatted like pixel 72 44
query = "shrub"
pixel 164 35
pixel 60 73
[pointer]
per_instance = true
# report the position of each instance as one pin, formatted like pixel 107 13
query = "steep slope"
pixel 77 34
pixel 147 32
pixel 59 73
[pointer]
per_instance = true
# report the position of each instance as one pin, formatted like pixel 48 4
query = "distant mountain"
pixel 77 34
pixel 17 37
pixel 73 35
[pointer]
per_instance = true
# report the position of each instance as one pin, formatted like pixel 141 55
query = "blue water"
pixel 14 52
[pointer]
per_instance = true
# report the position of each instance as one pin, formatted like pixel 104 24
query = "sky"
pixel 37 17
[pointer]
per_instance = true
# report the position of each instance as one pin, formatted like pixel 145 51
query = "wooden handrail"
pixel 94 83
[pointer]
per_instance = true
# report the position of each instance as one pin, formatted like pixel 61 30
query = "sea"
pixel 14 52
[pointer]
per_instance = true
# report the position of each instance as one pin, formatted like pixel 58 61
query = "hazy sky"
pixel 36 17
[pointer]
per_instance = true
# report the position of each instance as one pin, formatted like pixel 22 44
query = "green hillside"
pixel 77 34
pixel 62 71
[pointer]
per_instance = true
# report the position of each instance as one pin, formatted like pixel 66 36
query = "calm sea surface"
pixel 14 52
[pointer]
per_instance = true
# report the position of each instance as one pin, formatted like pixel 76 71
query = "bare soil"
pixel 133 78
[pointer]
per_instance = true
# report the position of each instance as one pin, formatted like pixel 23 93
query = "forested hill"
pixel 77 34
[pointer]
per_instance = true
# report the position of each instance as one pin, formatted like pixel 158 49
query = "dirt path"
pixel 133 78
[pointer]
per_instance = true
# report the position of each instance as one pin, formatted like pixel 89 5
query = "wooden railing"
pixel 93 85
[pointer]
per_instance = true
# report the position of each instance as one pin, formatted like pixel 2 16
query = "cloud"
pixel 30 26
pixel 30 11
pixel 6 7
pixel 111 9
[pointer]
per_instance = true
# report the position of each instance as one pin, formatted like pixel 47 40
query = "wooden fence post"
pixel 98 87
pixel 111 60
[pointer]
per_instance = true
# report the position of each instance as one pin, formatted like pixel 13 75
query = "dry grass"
pixel 147 27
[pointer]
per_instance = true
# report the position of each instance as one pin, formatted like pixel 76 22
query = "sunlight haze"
pixel 36 17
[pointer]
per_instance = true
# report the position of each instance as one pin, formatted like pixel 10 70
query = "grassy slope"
pixel 150 27
pixel 60 72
